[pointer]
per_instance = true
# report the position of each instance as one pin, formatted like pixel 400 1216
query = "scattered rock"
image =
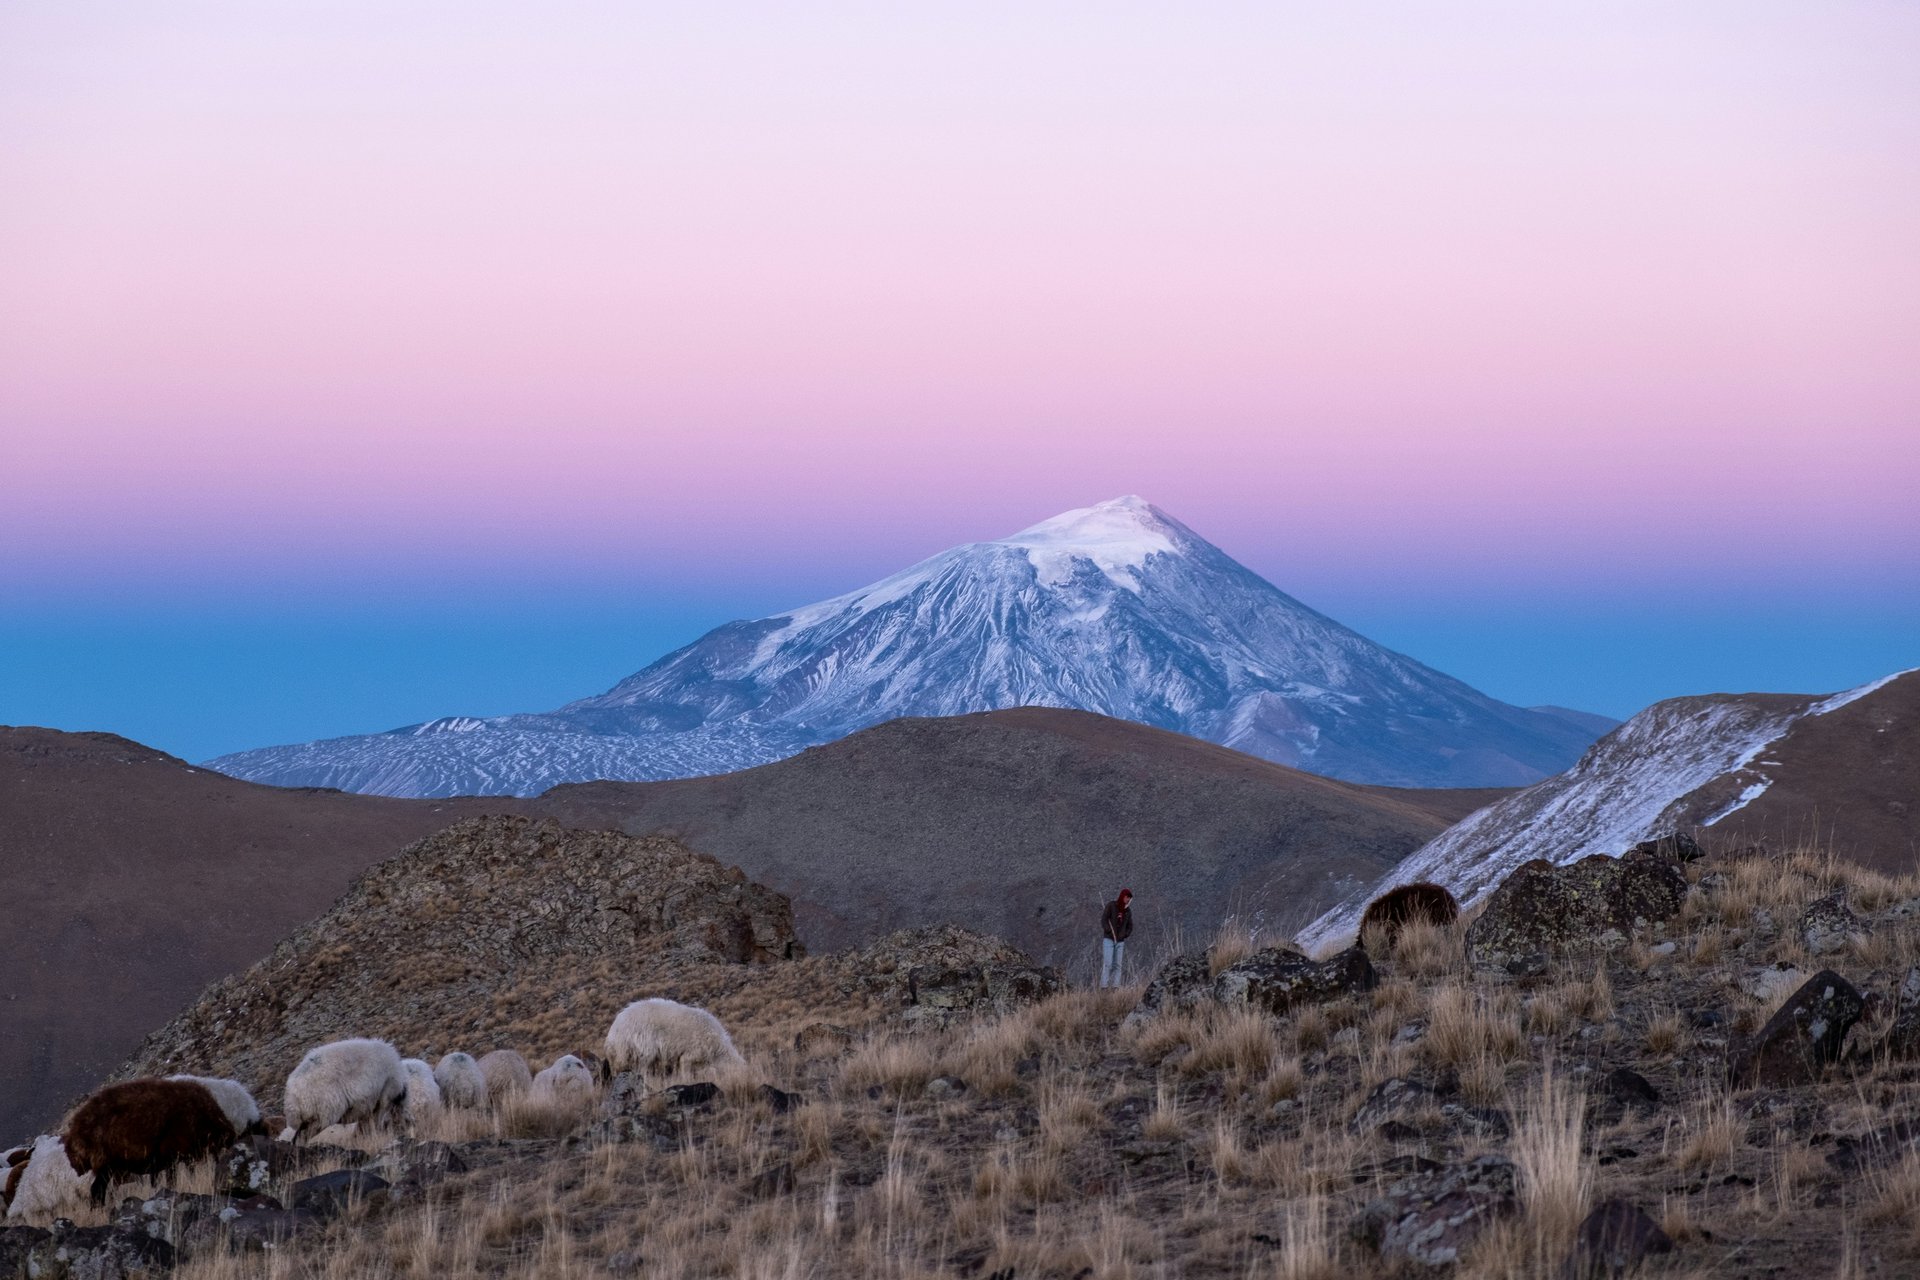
pixel 1876 1150
pixel 939 974
pixel 699 1096
pixel 1828 926
pixel 1612 1242
pixel 625 1094
pixel 1677 847
pixel 68 1252
pixel 768 1183
pixel 1431 1217
pixel 1768 984
pixel 1277 980
pixel 1903 1037
pixel 329 1194
pixel 779 1099
pixel 1397 1099
pixel 945 1088
pixel 1622 1091
pixel 1542 911
pixel 1802 1038
pixel 1184 982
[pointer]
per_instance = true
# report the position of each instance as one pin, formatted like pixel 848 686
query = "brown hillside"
pixel 1021 823
pixel 500 932
pixel 1848 780
pixel 133 879
pixel 129 880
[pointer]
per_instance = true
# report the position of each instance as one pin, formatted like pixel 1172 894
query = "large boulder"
pixel 1429 1219
pixel 1799 1041
pixel 935 976
pixel 68 1252
pixel 1542 911
pixel 1828 926
pixel 1184 982
pixel 1612 1242
pixel 1278 980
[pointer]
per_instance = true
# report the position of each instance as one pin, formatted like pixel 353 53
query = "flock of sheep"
pixel 142 1128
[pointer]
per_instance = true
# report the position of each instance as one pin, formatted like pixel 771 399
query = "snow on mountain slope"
pixel 1116 608
pixel 1685 762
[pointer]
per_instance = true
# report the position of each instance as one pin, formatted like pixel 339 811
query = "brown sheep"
pixel 142 1128
pixel 16 1166
pixel 1410 902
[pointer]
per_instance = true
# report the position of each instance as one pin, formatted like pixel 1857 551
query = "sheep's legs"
pixel 98 1195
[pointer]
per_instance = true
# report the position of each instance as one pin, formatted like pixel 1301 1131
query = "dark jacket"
pixel 1116 921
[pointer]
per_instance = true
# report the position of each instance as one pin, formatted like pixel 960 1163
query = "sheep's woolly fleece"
pixel 423 1091
pixel 48 1183
pixel 345 1082
pixel 568 1080
pixel 242 1112
pixel 661 1037
pixel 461 1083
pixel 506 1072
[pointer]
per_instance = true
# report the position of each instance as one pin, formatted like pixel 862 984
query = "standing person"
pixel 1116 926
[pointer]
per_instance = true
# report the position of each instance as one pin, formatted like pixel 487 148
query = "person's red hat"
pixel 1126 893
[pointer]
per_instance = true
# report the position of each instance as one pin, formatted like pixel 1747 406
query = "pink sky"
pixel 1494 293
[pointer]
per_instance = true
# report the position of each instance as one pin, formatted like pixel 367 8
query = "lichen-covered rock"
pixel 16 1247
pixel 1278 980
pixel 1828 926
pixel 328 1194
pixel 1676 847
pixel 1903 1037
pixel 68 1252
pixel 1184 982
pixel 938 975
pixel 1430 1218
pixel 1542 911
pixel 1397 1099
pixel 1612 1242
pixel 1800 1040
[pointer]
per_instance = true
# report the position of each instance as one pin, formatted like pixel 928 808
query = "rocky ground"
pixel 1695 1069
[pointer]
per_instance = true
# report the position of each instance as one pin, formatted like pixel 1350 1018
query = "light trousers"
pixel 1113 956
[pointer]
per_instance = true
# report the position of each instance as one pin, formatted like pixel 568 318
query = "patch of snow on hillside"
pixel 1748 794
pixel 1610 801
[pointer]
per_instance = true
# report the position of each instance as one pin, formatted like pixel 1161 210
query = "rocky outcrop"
pixel 1803 1038
pixel 1543 911
pixel 937 975
pixel 1184 982
pixel 1277 980
pixel 428 940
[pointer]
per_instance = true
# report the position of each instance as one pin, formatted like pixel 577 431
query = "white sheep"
pixel 423 1091
pixel 461 1083
pixel 567 1081
pixel 242 1112
pixel 45 1184
pixel 661 1037
pixel 507 1073
pixel 346 1082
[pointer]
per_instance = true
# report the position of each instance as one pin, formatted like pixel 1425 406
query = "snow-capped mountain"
pixel 1683 764
pixel 1116 608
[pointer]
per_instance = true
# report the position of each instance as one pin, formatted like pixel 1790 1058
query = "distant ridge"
pixel 1838 770
pixel 1117 609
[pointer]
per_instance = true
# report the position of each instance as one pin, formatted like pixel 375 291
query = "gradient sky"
pixel 365 362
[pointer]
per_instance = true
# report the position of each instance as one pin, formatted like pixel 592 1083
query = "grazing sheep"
pixel 346 1082
pixel 242 1112
pixel 40 1181
pixel 1398 907
pixel 460 1081
pixel 661 1037
pixel 140 1128
pixel 567 1080
pixel 423 1091
pixel 507 1073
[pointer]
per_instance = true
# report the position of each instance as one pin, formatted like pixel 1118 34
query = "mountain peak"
pixel 1117 535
